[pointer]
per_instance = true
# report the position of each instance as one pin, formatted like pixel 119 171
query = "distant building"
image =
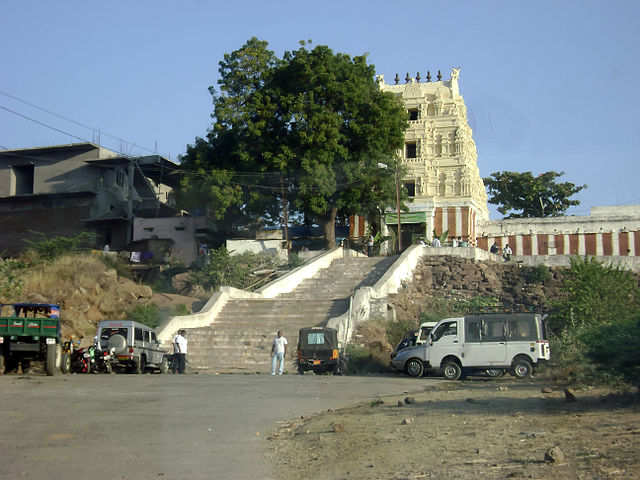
pixel 64 190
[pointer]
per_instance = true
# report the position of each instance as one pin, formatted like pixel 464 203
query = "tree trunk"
pixel 328 225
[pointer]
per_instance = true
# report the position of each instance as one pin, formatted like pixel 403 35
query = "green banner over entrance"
pixel 412 217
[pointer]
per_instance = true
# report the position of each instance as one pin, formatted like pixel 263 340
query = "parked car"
pixel 135 346
pixel 414 337
pixel 488 343
pixel 318 351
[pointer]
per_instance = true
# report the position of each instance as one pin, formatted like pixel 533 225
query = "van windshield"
pixel 445 329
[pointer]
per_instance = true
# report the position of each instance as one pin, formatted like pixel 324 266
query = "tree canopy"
pixel 522 195
pixel 306 131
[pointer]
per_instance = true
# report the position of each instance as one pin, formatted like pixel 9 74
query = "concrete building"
pixel 64 190
pixel 442 180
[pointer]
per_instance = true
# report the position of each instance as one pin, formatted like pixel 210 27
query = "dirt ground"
pixel 477 428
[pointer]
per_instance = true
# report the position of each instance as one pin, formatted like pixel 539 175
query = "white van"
pixel 136 346
pixel 491 342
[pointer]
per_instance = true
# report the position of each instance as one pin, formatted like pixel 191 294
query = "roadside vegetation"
pixel 594 326
pixel 67 271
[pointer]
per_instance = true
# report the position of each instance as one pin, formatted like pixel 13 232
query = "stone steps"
pixel 241 337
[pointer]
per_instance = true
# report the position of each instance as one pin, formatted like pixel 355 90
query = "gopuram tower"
pixel 442 176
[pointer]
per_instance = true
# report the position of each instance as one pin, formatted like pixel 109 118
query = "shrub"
pixel 396 330
pixel 363 360
pixel 147 314
pixel 537 274
pixel 11 280
pixel 295 260
pixel 50 248
pixel 180 309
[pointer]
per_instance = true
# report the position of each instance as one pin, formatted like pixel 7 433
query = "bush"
pixel 180 309
pixel 147 314
pixel 396 330
pixel 50 248
pixel 363 360
pixel 225 269
pixel 537 274
pixel 615 348
pixel 11 280
pixel 295 260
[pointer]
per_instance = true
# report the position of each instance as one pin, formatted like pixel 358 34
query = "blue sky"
pixel 549 85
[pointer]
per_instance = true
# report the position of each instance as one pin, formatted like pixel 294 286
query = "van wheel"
pixel 451 371
pixel 522 368
pixel 415 368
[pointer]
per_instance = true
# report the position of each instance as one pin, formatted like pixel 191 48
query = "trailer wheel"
pixel 52 363
pixel 66 363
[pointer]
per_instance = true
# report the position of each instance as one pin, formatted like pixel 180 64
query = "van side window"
pixel 522 329
pixel 154 337
pixel 472 333
pixel 445 329
pixel 493 330
pixel 147 336
pixel 137 334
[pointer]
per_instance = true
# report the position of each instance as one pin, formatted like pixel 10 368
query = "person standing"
pixel 370 244
pixel 506 253
pixel 278 352
pixel 180 351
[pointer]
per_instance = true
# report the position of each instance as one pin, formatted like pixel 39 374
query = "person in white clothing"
pixel 278 351
pixel 180 351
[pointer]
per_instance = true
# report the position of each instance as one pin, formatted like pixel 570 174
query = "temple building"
pixel 442 177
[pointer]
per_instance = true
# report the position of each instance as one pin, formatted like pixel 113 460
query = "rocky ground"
pixel 478 428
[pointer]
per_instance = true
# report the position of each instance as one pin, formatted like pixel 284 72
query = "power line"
pixel 44 124
pixel 75 122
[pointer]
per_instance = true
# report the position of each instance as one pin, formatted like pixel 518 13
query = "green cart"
pixel 30 331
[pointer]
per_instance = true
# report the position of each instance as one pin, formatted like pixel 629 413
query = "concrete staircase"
pixel 240 338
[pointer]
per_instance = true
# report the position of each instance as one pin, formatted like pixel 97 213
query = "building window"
pixel 411 150
pixel 120 177
pixel 24 175
pixel 413 114
pixel 411 188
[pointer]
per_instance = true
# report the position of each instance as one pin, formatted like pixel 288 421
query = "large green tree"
pixel 308 130
pixel 523 195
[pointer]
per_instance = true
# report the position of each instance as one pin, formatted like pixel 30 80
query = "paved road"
pixel 162 426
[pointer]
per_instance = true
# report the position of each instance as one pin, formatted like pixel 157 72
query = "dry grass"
pixel 61 278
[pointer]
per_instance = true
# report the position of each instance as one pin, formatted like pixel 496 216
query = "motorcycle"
pixel 82 359
pixel 170 363
pixel 103 361
pixel 92 360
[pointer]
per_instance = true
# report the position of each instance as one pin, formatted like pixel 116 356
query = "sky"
pixel 549 85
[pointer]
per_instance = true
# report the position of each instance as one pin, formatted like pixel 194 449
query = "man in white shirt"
pixel 278 351
pixel 180 351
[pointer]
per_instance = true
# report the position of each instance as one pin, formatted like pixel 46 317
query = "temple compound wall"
pixel 607 231
pixel 448 196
